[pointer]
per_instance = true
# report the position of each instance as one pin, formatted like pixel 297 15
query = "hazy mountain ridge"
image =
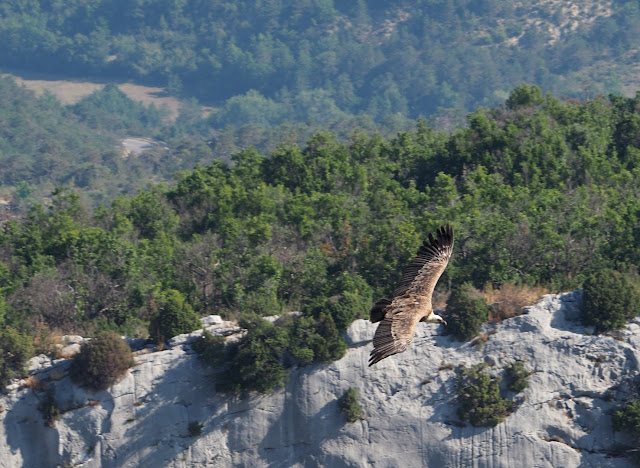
pixel 324 60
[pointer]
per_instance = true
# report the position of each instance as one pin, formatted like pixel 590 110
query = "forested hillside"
pixel 539 191
pixel 44 144
pixel 269 62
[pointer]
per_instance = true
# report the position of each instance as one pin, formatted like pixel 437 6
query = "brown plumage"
pixel 411 301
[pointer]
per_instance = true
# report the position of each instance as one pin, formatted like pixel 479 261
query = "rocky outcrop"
pixel 408 401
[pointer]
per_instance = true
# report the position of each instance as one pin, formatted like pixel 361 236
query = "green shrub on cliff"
pixel 610 298
pixel 101 361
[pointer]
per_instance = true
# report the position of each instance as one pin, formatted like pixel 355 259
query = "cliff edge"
pixel 408 400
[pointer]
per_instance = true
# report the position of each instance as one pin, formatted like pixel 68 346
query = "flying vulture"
pixel 411 301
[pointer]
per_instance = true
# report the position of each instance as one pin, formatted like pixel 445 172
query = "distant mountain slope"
pixel 44 144
pixel 409 404
pixel 274 61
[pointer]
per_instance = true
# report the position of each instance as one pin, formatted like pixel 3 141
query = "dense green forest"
pixel 269 62
pixel 539 191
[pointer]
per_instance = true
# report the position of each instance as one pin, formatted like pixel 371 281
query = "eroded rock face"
pixel 408 400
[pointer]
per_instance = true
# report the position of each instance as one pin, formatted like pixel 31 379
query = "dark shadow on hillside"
pixel 569 316
pixel 158 425
pixel 161 94
pixel 28 434
pixel 296 436
pixel 153 418
pixel 149 421
pixel 437 335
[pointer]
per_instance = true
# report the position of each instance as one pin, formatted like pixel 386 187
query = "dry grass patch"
pixel 152 95
pixel 34 384
pixel 67 91
pixel 439 299
pixel 480 339
pixel 509 300
pixel 45 339
pixel 57 374
pixel 70 92
pixel 68 351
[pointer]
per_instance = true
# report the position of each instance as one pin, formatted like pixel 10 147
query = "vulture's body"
pixel 411 301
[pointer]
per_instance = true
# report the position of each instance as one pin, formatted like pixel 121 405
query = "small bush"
pixel 467 310
pixel 350 406
pixel 517 377
pixel 316 339
pixel 195 429
pixel 479 397
pixel 627 418
pixel 609 299
pixel 256 361
pixel 101 361
pixel 174 317
pixel 50 409
pixel 210 349
pixel 15 350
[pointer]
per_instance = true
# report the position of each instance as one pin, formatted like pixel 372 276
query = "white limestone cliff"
pixel 408 401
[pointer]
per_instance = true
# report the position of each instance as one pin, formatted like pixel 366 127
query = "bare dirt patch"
pixel 70 92
pixel 150 95
pixel 558 18
pixel 137 146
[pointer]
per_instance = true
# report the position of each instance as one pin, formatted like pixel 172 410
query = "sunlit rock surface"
pixel 408 401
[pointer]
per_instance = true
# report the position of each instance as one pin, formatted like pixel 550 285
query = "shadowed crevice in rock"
pixel 26 434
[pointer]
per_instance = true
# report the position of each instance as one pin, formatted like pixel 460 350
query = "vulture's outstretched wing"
pixel 412 298
pixel 422 273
